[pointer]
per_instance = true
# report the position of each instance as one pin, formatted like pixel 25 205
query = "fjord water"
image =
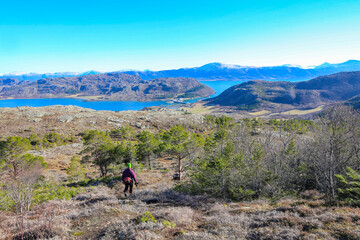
pixel 96 105
pixel 218 86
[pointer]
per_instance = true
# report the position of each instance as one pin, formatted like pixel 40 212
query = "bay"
pixel 220 86
pixel 96 105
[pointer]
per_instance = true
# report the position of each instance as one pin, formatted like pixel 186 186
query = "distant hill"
pixel 321 90
pixel 219 71
pixel 112 86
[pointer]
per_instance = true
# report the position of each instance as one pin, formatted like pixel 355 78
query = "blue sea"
pixel 218 86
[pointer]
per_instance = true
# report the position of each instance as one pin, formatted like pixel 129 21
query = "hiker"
pixel 128 178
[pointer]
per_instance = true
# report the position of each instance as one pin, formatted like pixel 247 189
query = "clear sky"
pixel 76 35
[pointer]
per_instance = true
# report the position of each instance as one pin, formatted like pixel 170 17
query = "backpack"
pixel 127 180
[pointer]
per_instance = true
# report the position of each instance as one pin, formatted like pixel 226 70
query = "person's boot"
pixel 125 194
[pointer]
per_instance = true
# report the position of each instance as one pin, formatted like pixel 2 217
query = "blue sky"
pixel 53 36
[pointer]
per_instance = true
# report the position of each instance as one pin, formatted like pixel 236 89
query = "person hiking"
pixel 128 178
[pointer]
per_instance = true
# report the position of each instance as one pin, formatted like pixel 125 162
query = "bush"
pixel 46 191
pixel 147 217
pixel 36 141
pixel 311 195
pixel 5 202
pixel 168 224
pixel 228 174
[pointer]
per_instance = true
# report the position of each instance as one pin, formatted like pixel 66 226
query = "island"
pixel 109 86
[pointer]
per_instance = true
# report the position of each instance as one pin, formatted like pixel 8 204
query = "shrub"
pixel 168 224
pixel 147 217
pixel 35 141
pixel 5 202
pixel 311 194
pixel 46 191
pixel 228 174
pixel 53 139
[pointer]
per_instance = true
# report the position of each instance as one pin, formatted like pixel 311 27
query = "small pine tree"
pixel 100 148
pixel 181 144
pixel 76 170
pixel 350 187
pixel 147 146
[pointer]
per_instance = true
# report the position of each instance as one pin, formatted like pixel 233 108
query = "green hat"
pixel 128 165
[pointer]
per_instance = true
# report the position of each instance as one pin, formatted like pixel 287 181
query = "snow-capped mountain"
pixel 36 76
pixel 217 71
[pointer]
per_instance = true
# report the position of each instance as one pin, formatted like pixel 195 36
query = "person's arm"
pixel 134 176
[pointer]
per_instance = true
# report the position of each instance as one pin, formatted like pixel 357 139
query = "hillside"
pixel 112 86
pixel 321 90
pixel 354 102
pixel 279 199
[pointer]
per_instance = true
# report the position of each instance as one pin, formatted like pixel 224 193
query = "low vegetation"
pixel 234 179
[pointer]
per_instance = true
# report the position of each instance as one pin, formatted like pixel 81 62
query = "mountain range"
pixel 219 71
pixel 315 92
pixel 37 76
pixel 109 86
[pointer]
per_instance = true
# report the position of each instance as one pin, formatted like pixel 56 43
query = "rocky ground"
pixel 22 121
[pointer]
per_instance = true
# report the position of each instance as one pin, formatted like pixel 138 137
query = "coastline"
pixel 97 98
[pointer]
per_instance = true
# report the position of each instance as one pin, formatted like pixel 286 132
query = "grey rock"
pixel 66 118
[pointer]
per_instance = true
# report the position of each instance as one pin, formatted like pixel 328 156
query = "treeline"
pixel 281 158
pixel 105 149
pixel 246 159
pixel 37 142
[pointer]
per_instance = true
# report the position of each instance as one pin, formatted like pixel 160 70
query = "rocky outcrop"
pixel 23 121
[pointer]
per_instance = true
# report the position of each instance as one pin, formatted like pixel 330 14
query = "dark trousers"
pixel 127 185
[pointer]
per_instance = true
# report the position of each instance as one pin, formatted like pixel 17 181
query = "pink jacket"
pixel 128 173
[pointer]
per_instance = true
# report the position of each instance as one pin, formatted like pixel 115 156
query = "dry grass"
pixel 303 112
pixel 102 213
pixel 198 108
pixel 259 113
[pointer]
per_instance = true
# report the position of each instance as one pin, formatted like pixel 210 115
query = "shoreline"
pixel 95 104
pixel 96 99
